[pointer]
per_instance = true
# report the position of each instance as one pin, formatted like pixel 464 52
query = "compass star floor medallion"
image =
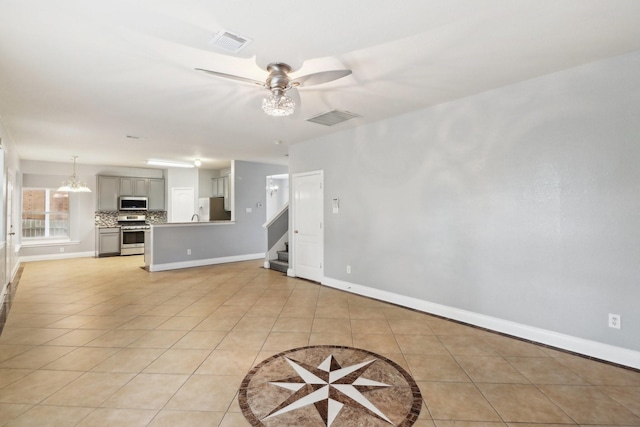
pixel 329 386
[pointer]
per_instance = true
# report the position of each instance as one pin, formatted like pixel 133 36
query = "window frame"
pixel 46 239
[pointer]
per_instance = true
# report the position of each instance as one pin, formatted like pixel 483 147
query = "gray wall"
pixel 520 203
pixel 204 181
pixel 246 236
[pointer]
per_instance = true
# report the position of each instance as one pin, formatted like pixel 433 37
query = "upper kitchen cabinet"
pixel 112 187
pixel 220 186
pixel 156 194
pixel 134 187
pixel 108 191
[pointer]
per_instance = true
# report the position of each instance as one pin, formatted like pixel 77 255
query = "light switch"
pixel 248 210
pixel 335 203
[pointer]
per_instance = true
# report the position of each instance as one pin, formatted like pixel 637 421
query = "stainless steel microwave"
pixel 132 203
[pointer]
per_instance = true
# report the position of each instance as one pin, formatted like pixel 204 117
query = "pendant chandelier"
pixel 74 185
pixel 271 188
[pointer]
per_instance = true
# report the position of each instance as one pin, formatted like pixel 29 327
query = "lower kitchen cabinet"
pixel 108 241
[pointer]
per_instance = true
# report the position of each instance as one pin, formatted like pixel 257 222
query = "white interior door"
pixel 308 233
pixel 10 230
pixel 183 204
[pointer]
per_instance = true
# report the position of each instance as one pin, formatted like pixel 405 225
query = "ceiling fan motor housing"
pixel 278 80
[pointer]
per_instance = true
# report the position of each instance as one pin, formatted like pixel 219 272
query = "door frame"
pixel 293 221
pixel 10 264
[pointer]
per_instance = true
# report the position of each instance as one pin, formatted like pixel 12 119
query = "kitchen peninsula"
pixel 171 246
pixel 175 245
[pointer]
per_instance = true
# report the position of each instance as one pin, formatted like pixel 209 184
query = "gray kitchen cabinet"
pixel 112 187
pixel 156 194
pixel 226 191
pixel 108 241
pixel 216 187
pixel 134 187
pixel 220 186
pixel 108 192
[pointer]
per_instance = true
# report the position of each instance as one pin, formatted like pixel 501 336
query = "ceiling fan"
pixel 279 104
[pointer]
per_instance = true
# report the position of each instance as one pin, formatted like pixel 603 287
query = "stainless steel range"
pixel 132 229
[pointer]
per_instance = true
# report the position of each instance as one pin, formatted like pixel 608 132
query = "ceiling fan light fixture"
pixel 278 105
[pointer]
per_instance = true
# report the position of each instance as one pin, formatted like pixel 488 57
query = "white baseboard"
pixel 63 255
pixel 595 349
pixel 202 262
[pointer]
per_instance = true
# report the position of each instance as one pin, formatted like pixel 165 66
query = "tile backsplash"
pixel 157 217
pixel 110 218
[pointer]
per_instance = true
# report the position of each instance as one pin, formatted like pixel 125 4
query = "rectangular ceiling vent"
pixel 229 41
pixel 332 117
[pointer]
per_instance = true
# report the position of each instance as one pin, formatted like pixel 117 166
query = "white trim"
pixel 64 255
pixel 277 215
pixel 27 243
pixel 583 346
pixel 201 262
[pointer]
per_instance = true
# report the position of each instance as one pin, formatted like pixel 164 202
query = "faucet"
pixel 196 216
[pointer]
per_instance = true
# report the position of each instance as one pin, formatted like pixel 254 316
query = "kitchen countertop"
pixel 182 224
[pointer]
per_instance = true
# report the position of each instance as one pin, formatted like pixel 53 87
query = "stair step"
pixel 277 265
pixel 283 256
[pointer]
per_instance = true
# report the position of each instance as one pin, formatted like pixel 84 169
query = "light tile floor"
pixel 96 342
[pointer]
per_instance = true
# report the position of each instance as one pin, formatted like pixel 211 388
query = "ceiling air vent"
pixel 332 117
pixel 229 41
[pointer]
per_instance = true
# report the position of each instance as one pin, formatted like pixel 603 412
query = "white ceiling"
pixel 78 76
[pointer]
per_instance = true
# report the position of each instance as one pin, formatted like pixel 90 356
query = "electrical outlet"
pixel 614 321
pixel 188 251
pixel 348 269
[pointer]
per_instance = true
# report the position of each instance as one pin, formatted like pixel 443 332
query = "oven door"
pixel 131 242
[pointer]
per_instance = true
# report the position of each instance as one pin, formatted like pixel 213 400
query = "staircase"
pixel 282 262
pixel 277 234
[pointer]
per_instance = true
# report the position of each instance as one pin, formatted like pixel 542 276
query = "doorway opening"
pixel 277 193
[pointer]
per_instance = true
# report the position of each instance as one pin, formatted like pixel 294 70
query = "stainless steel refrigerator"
pixel 216 209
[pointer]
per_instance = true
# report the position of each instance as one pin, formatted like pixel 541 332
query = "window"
pixel 45 214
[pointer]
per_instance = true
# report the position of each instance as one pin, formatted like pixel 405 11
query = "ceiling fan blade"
pixel 294 94
pixel 232 77
pixel 320 78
